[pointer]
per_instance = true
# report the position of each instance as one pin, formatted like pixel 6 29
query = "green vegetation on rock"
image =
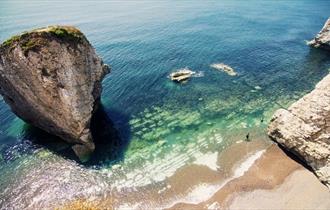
pixel 66 32
pixel 9 41
pixel 29 45
pixel 30 41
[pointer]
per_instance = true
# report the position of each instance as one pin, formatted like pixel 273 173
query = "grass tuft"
pixel 68 33
pixel 11 40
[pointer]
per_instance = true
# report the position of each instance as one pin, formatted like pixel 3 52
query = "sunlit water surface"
pixel 151 126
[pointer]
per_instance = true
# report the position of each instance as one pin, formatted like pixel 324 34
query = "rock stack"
pixel 51 78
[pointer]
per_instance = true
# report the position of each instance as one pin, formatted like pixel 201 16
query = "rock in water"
pixel 51 78
pixel 225 68
pixel 304 129
pixel 322 39
pixel 181 75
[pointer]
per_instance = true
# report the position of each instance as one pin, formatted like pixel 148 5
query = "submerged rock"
pixel 51 78
pixel 225 68
pixel 304 129
pixel 181 75
pixel 322 39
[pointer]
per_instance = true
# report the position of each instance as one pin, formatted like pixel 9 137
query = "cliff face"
pixel 322 39
pixel 304 129
pixel 51 78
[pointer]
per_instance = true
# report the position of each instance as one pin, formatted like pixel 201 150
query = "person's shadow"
pixel 110 145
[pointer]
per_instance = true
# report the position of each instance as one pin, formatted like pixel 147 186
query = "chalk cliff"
pixel 322 39
pixel 304 129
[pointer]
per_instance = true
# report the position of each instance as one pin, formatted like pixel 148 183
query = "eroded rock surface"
pixel 51 78
pixel 304 129
pixel 225 68
pixel 322 39
pixel 181 75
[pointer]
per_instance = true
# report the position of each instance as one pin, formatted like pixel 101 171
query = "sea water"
pixel 151 127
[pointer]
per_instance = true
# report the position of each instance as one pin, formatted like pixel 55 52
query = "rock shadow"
pixel 313 68
pixel 110 143
pixel 317 57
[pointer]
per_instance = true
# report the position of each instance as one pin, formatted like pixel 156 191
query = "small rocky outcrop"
pixel 51 78
pixel 304 129
pixel 225 68
pixel 181 75
pixel 322 39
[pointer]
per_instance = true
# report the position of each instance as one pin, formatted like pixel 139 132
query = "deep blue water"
pixel 143 41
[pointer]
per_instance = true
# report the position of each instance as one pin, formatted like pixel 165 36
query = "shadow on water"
pixel 110 143
pixel 315 67
pixel 317 57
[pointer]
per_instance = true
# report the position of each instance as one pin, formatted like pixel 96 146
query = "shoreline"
pixel 250 174
pixel 273 174
pixel 295 198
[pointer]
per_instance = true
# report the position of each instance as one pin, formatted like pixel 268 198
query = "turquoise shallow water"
pixel 154 126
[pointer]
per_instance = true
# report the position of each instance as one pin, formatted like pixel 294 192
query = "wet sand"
pixel 299 191
pixel 275 181
pixel 271 180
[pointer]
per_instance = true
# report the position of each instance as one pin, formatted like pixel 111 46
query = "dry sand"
pixel 275 181
pixel 299 191
pixel 272 181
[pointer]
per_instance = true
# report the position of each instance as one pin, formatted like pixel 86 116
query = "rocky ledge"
pixel 322 39
pixel 304 129
pixel 51 78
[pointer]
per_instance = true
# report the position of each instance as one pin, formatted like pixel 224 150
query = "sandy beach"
pixel 275 181
pixel 253 175
pixel 299 191
pixel 131 105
